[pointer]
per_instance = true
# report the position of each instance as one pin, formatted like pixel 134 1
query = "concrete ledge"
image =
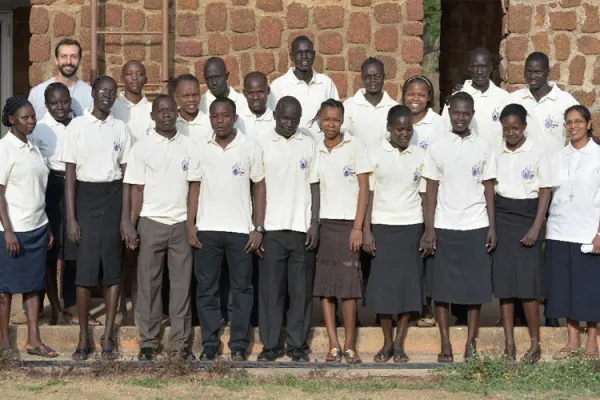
pixel 423 341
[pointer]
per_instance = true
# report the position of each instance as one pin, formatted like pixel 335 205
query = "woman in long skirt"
pixel 396 213
pixel 573 238
pixel 24 234
pixel 343 166
pixel 522 195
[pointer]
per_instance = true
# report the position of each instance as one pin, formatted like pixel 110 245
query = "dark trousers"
pixel 208 263
pixel 286 267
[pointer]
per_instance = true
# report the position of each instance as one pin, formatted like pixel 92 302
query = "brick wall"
pixel 569 32
pixel 248 34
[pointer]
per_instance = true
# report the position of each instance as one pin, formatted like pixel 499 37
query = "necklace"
pixel 571 156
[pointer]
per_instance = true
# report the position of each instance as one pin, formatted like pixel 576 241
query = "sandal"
pixel 531 357
pixel 82 353
pixel 351 357
pixel 42 351
pixel 445 358
pixel 334 355
pixel 108 353
pixel 383 356
pixel 400 356
pixel 590 355
pixel 426 322
pixel 510 354
pixel 565 353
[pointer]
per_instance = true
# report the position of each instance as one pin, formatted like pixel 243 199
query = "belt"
pixel 59 174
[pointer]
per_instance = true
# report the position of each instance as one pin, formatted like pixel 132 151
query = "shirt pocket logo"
pixel 424 144
pixel 528 173
pixel 477 170
pixel 417 175
pixel 496 114
pixel 550 123
pixel 349 171
pixel 304 164
pixel 116 145
pixel 237 170
pixel 185 164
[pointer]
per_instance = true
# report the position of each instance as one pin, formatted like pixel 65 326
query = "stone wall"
pixel 569 32
pixel 248 34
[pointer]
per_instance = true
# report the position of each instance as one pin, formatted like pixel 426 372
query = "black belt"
pixel 59 174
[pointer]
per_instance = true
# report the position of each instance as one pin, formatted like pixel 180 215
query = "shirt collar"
pixel 298 135
pixel 386 100
pixel 110 120
pixel 130 104
pixel 346 139
pixel 525 147
pixel 199 120
pixel 15 141
pixel 428 119
pixel 240 138
pixel 160 138
pixel 387 146
pixel 585 150
pixel 267 116
pixel 468 87
pixel 316 78
pixel 552 95
pixel 50 121
pixel 471 138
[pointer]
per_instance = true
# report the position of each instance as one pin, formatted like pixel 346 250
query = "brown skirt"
pixel 337 272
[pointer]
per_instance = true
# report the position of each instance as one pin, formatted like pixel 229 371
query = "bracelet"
pixel 356 229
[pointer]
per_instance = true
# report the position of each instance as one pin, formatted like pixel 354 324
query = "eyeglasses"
pixel 575 122
pixel 374 77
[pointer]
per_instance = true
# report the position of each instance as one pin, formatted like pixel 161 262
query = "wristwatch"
pixel 259 229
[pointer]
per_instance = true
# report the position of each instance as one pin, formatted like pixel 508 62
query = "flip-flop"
pixel 93 323
pixel 426 322
pixel 531 357
pixel 108 354
pixel 334 355
pixel 383 356
pixel 564 354
pixel 352 357
pixel 590 355
pixel 42 351
pixel 400 356
pixel 445 358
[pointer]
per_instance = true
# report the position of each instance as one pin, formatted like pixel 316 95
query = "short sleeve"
pixel 431 168
pixel 347 126
pixel 68 150
pixel 314 167
pixel 257 166
pixel 423 185
pixel 194 173
pixel 545 171
pixel 135 174
pixel 127 143
pixel 6 164
pixel 362 161
pixel 489 169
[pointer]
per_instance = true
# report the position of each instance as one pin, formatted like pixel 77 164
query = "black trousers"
pixel 286 267
pixel 208 263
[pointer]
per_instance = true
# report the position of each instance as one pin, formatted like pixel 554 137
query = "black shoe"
pixel 209 353
pixel 186 355
pixel 299 355
pixel 238 355
pixel 146 354
pixel 269 355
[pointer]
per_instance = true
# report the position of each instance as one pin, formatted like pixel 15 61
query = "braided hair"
pixel 173 83
pixel 422 79
pixel 330 103
pixel 13 104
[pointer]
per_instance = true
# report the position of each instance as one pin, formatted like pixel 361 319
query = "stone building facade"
pixel 255 35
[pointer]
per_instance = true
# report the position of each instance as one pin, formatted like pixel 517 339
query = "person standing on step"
pixel 366 111
pixel 489 99
pixel 157 171
pixel 191 122
pixel 292 232
pixel 67 58
pixel 220 225
pixel 310 87
pixel 343 166
pixel 523 188
pixel 216 77
pixel 573 237
pixel 95 150
pixel 24 232
pixel 460 229
pixel 258 116
pixel 396 214
pixel 48 136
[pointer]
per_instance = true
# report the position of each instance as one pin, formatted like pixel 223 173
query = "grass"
pixel 146 382
pixel 41 386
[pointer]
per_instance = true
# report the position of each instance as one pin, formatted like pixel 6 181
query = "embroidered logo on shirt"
pixel 116 145
pixel 496 115
pixel 551 123
pixel 349 171
pixel 527 173
pixel 185 164
pixel 476 170
pixel 424 144
pixel 237 170
pixel 417 175
pixel 303 164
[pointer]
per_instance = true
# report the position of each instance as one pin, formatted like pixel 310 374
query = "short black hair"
pixel 162 97
pixel 12 105
pixel 68 42
pixel 398 111
pixel 224 100
pixel 256 74
pixel 288 100
pixel 329 103
pixel 173 83
pixel 481 51
pixel 462 96
pixel 538 56
pixel 301 38
pixel 372 61
pixel 55 86
pixel 422 79
pixel 215 60
pixel 100 79
pixel 516 110
pixel 585 113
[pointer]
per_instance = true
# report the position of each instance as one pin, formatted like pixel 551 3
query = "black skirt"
pixel 516 269
pixel 396 279
pixel 572 280
pixel 98 208
pixel 25 272
pixel 63 248
pixel 462 267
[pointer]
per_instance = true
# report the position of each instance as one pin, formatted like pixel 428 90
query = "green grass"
pixel 146 382
pixel 41 386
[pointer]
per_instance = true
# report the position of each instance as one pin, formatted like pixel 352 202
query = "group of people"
pixel 292 193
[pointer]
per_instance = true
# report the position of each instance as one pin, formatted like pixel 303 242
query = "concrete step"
pixel 423 342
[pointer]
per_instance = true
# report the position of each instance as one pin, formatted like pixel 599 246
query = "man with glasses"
pixel 366 112
pixel 301 81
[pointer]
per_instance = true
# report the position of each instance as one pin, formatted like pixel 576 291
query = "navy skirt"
pixel 26 272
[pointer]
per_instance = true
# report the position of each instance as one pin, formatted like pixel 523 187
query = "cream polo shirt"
pixel 521 173
pixel 207 98
pixel 428 130
pixel 486 120
pixel 48 136
pixel 98 148
pixel 460 166
pixel 310 96
pixel 289 171
pixel 196 129
pixel 545 119
pixel 224 176
pixel 161 165
pixel 575 207
pixel 136 116
pixel 24 174
pixel 396 182
pixel 365 121
pixel 337 174
pixel 254 126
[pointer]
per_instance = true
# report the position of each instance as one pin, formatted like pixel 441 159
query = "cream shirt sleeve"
pixel 194 173
pixel 489 169
pixel 333 93
pixel 314 165
pixel 257 165
pixel 431 168
pixel 6 164
pixel 347 125
pixel 135 174
pixel 362 162
pixel 545 171
pixel 126 148
pixel 68 150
